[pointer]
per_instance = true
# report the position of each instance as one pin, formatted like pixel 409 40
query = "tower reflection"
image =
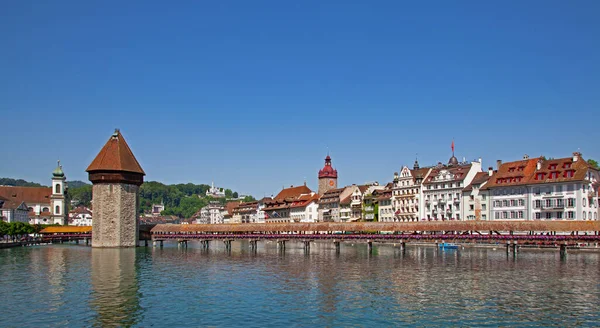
pixel 115 290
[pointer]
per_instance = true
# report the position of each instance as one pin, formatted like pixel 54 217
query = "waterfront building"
pixel 278 209
pixel 213 213
pixel 305 208
pixel 407 192
pixel 215 192
pixel 327 177
pixel 385 206
pixel 13 211
pixel 475 204
pixel 45 205
pixel 329 204
pixel 250 212
pixel 80 216
pixel 442 189
pixel 545 189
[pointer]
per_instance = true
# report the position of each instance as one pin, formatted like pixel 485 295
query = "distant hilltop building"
pixel 215 192
pixel 43 205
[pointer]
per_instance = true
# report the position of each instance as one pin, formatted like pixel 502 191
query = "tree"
pixel 228 193
pixel 593 163
pixel 235 194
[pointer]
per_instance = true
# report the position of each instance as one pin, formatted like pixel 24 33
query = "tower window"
pixel 57 209
pixel 57 189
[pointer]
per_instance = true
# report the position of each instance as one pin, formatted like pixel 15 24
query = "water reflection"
pixel 115 291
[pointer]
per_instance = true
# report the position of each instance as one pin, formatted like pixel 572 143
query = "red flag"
pixel 452 145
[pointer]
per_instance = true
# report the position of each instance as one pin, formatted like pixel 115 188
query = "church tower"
pixel 327 177
pixel 57 199
pixel 116 176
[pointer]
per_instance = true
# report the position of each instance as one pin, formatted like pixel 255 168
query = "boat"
pixel 448 246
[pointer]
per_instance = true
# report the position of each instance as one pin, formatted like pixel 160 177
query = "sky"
pixel 253 94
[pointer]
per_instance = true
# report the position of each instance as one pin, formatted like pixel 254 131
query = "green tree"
pixel 593 163
pixel 228 193
pixel 235 194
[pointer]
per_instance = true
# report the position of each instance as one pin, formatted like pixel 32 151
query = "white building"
pixel 215 192
pixel 476 201
pixel 46 205
pixel 80 216
pixel 541 189
pixel 210 214
pixel 305 208
pixel 407 192
pixel 13 211
pixel 442 189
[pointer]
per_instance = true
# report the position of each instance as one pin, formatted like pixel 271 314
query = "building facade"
pixel 475 204
pixel 278 209
pixel 80 216
pixel 442 189
pixel 13 211
pixel 407 193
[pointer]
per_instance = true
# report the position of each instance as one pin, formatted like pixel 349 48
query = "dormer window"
pixel 567 165
pixel 569 174
pixel 512 169
pixel 552 167
pixel 521 168
pixel 539 176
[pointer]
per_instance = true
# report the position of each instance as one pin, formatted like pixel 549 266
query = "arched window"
pixel 57 189
pixel 45 209
pixel 56 209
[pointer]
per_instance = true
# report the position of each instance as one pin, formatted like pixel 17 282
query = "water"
pixel 78 286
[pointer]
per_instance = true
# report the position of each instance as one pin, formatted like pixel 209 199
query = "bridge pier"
pixel 370 246
pixel 403 246
pixel 182 243
pixel 160 243
pixel 253 244
pixel 76 241
pixel 281 245
pixel 227 243
pixel 563 251
pixel 515 248
pixel 306 245
pixel 337 246
pixel 205 243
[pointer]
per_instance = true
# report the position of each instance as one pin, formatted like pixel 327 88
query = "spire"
pixel 58 172
pixel 453 160
pixel 116 156
pixel 416 165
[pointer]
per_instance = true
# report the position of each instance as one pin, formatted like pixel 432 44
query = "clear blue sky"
pixel 251 94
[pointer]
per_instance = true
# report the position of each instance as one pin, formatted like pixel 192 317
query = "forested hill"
pixel 181 199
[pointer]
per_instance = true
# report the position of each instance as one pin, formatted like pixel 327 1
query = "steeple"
pixel 58 172
pixel 453 160
pixel 116 162
pixel 416 165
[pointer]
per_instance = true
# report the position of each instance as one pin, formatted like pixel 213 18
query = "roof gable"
pixel 116 156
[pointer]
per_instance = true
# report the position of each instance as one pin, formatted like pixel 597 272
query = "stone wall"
pixel 115 220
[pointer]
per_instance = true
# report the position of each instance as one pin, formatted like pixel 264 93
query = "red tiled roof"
pixel 363 188
pixel 29 195
pixel 116 156
pixel 10 204
pixel 560 167
pixel 459 172
pixel 304 200
pixel 292 192
pixel 346 201
pixel 479 178
pixel 419 173
pixel 513 173
pixel 80 210
pixel 230 206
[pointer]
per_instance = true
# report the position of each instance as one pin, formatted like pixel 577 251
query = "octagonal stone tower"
pixel 116 177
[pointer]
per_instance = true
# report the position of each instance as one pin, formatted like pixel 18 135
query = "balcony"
pixel 553 207
pixel 369 208
pixel 456 200
pixel 441 201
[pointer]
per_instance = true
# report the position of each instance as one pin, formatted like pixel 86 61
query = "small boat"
pixel 448 246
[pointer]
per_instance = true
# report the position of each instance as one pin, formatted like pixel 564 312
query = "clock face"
pixel 331 183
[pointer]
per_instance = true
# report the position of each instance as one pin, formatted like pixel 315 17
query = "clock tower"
pixel 327 177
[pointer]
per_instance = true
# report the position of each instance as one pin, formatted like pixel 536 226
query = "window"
pixel 513 202
pixel 520 214
pixel 483 207
pixel 538 215
pixel 505 203
pixel 513 214
pixel 584 202
pixel 505 215
pixel 570 202
pixel 521 202
pixel 56 209
pixel 497 203
pixel 559 215
pixel 584 215
pixel 548 203
pixel 537 203
pixel 569 174
pixel 484 217
pixel 548 215
pixel 497 215
pixel 472 197
pixel 57 189
pixel 483 197
pixel 471 207
pixel 560 203
pixel 45 209
pixel 570 215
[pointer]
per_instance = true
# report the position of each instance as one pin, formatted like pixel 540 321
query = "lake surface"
pixel 68 285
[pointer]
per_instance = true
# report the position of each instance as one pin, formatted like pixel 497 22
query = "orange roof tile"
pixel 116 156
pixel 293 192
pixel 29 195
pixel 479 178
pixel 513 173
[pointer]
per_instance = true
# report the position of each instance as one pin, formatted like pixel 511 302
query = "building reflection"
pixel 115 289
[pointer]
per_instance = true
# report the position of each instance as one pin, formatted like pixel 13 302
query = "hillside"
pixel 182 200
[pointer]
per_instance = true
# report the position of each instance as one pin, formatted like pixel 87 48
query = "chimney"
pixel 498 163
pixel 539 164
pixel 525 156
pixel 480 160
pixel 576 156
pixel 490 171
